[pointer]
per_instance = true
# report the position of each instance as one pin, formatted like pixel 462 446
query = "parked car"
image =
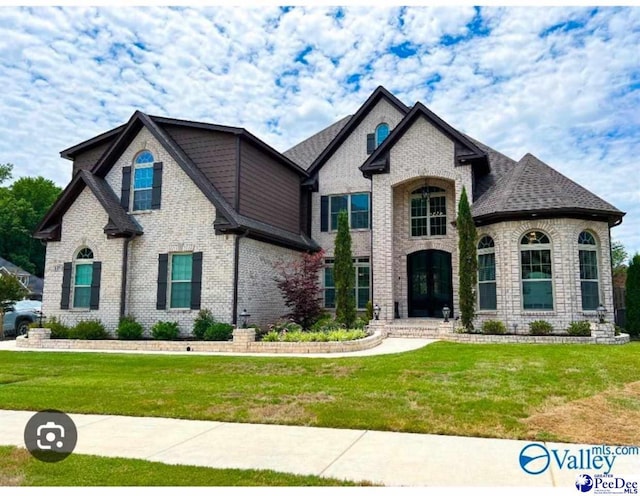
pixel 24 312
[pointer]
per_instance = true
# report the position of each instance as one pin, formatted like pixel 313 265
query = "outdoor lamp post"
pixel 446 311
pixel 245 318
pixel 376 312
pixel 601 311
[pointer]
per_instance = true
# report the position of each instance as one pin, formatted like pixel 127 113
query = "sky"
pixel 562 83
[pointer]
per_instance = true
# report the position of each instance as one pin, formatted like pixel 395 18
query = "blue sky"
pixel 562 83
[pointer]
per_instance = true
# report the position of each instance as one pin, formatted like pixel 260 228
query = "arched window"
pixel 82 279
pixel 143 180
pixel 428 212
pixel 487 274
pixel 588 256
pixel 382 131
pixel 535 263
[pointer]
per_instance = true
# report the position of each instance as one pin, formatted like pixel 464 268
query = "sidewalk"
pixel 387 347
pixel 389 458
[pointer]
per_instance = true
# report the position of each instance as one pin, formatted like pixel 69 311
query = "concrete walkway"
pixel 389 458
pixel 387 347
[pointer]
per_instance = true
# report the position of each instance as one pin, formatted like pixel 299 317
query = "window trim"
pixel 357 262
pixel 590 248
pixel 490 250
pixel 85 260
pixel 438 194
pixel 349 212
pixel 171 281
pixel 538 247
pixel 139 166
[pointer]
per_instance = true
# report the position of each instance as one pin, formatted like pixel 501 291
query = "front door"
pixel 430 283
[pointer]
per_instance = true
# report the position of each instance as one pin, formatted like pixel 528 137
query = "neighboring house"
pixel 163 217
pixel 31 283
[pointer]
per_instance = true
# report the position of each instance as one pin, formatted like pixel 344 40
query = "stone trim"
pixel 241 343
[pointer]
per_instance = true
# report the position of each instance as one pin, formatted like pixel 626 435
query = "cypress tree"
pixel 343 273
pixel 468 261
pixel 632 297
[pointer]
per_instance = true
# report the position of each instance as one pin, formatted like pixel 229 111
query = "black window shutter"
pixel 196 280
pixel 324 213
pixel 371 143
pixel 125 191
pixel 163 265
pixel 156 192
pixel 94 302
pixel 66 286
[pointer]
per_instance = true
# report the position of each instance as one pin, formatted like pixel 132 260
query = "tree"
pixel 343 273
pixel 632 297
pixel 618 258
pixel 299 283
pixel 22 206
pixel 468 261
pixel 5 172
pixel 10 291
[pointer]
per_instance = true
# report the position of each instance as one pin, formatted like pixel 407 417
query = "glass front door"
pixel 430 283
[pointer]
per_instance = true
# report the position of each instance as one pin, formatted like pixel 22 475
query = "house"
pixel 33 284
pixel 163 217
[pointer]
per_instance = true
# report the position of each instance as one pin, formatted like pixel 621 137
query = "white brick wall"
pixel 257 290
pixel 82 226
pixel 423 152
pixel 567 299
pixel 341 174
pixel 184 223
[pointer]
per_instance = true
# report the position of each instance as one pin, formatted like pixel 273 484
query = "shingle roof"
pixel 305 152
pixel 34 283
pixel 532 186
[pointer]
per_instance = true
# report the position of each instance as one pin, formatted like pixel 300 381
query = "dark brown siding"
pixel 86 160
pixel 269 191
pixel 213 152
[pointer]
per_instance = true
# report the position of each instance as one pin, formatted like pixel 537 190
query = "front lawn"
pixel 447 388
pixel 19 468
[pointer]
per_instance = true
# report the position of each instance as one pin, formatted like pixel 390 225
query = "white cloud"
pixel 68 74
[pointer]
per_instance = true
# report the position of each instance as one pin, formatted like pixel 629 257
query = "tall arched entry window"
pixel 487 274
pixel 428 212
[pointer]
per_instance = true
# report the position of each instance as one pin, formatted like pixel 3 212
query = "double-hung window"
pixel 361 286
pixel 82 278
pixel 180 280
pixel 357 206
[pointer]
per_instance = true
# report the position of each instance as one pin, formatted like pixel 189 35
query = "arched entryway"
pixel 430 283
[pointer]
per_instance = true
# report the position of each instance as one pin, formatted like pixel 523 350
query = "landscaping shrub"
pixel 58 329
pixel 285 325
pixel 271 336
pixel 129 328
pixel 360 323
pixel 327 323
pixel 540 328
pixel 219 331
pixel 582 328
pixel 618 330
pixel 369 314
pixel 88 329
pixel 493 327
pixel 202 322
pixel 165 330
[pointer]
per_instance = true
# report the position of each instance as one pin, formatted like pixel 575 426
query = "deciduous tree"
pixel 10 291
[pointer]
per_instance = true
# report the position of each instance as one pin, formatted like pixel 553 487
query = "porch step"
pixel 416 328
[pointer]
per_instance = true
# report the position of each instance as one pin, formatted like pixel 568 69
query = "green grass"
pixel 18 468
pixel 446 388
